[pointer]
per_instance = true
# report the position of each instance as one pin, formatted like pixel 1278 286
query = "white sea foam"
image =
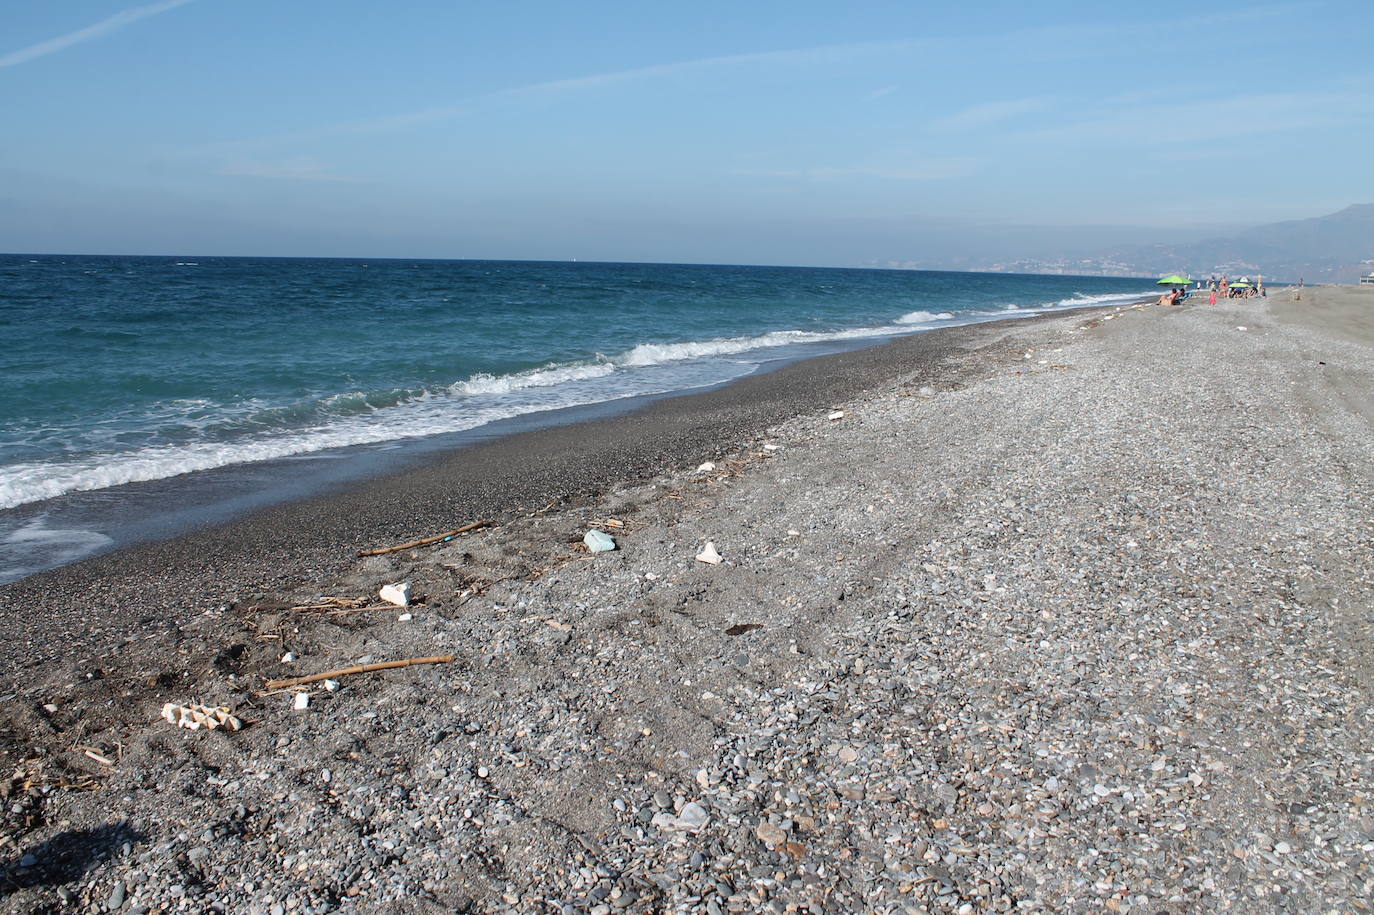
pixel 1082 300
pixel 33 546
pixel 925 317
pixel 659 353
pixel 546 376
pixel 23 483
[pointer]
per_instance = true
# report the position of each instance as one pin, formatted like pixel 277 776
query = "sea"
pixel 143 396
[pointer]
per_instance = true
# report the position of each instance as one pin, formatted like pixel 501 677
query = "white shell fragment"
pixel 405 617
pixel 706 468
pixel 398 594
pixel 301 702
pixel 838 414
pixel 288 657
pixel 709 554
pixel 195 717
pixel 331 685
pixel 691 818
pixel 598 541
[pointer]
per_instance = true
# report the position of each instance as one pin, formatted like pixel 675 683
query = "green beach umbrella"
pixel 1173 280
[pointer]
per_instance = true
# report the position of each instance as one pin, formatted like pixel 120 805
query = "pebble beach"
pixel 1067 614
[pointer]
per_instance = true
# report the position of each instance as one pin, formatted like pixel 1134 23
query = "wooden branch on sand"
pixel 359 669
pixel 426 541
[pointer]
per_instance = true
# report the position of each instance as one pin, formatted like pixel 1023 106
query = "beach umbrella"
pixel 1173 280
pixel 1240 285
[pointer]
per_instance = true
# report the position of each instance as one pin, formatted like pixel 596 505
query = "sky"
pixel 798 132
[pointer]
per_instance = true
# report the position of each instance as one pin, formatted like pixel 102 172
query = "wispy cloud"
pixel 986 113
pixel 104 27
pixel 879 93
pixel 1221 119
pixel 553 88
pixel 298 169
pixel 936 169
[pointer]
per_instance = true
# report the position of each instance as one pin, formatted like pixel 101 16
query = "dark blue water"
pixel 123 369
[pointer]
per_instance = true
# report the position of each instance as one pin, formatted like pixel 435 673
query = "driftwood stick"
pixel 426 541
pixel 359 669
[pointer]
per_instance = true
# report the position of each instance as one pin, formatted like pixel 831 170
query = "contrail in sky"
pixel 115 22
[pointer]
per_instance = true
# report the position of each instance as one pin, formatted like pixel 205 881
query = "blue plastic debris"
pixel 598 542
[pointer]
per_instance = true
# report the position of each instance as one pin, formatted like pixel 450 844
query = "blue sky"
pixel 764 132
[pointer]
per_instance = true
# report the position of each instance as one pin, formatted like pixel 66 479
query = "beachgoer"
pixel 1212 299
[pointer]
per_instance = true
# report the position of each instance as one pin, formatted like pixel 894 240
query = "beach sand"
pixel 1059 614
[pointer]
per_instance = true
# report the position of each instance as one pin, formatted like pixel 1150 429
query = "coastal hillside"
pixel 1333 248
pixel 1336 248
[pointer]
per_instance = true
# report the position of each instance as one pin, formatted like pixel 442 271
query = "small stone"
pixel 301 702
pixel 693 816
pixel 398 594
pixel 116 898
pixel 770 834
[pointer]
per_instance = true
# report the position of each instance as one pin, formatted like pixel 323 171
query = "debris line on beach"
pixel 426 541
pixel 357 669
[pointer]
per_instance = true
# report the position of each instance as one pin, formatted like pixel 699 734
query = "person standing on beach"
pixel 1212 299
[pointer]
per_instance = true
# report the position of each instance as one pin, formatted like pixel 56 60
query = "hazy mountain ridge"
pixel 1338 247
pixel 1333 248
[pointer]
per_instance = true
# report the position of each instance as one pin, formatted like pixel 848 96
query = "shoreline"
pixel 1056 616
pixel 80 524
pixel 554 460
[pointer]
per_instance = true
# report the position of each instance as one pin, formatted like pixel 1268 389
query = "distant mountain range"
pixel 1336 248
pixel 1332 249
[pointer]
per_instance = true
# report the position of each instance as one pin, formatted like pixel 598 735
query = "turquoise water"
pixel 124 369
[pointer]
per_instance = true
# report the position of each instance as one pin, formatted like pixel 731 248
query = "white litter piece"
pixel 301 702
pixel 1238 327
pixel 708 554
pixel 194 717
pixel 598 541
pixel 838 414
pixel 331 685
pixel 398 594
pixel 771 447
pixel 288 657
pixel 405 617
pixel 706 468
